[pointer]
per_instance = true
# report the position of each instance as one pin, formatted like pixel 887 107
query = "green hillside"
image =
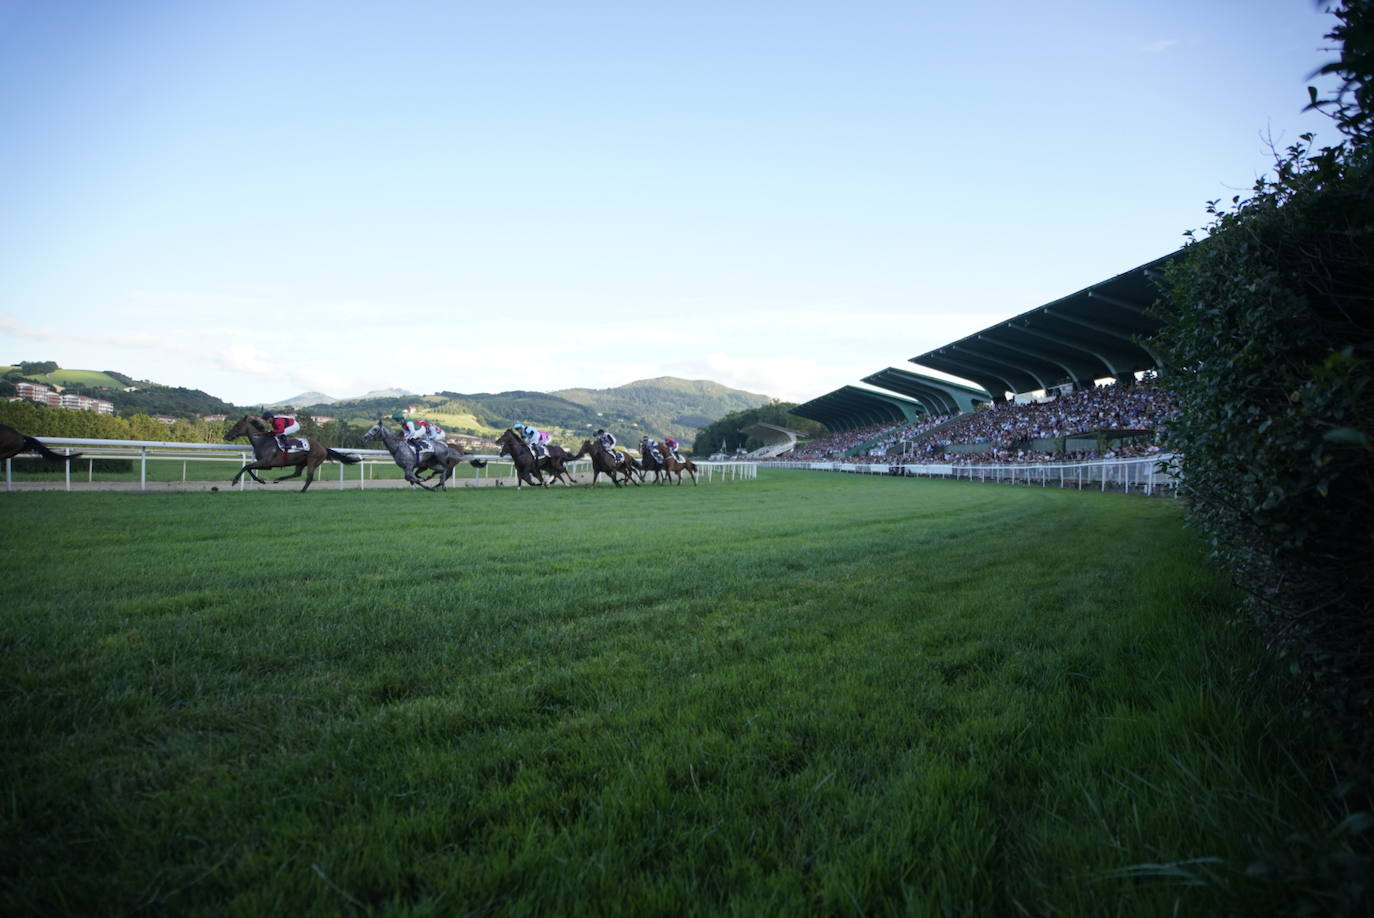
pixel 81 379
pixel 659 407
pixel 665 406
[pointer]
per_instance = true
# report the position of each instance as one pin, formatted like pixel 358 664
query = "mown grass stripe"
pixel 807 694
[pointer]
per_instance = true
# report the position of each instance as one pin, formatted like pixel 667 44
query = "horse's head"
pixel 245 425
pixel 376 431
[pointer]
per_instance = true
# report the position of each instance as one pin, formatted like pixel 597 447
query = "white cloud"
pixel 1159 47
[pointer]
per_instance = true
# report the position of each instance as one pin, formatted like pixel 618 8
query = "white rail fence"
pixel 145 451
pixel 1143 475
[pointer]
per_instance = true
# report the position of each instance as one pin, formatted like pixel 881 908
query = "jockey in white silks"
pixel 607 441
pixel 537 440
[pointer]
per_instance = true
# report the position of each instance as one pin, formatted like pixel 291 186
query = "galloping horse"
pixel 672 466
pixel 12 443
pixel 604 462
pixel 555 464
pixel 441 461
pixel 526 466
pixel 649 461
pixel 269 456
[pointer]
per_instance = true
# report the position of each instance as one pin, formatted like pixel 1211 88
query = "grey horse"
pixel 441 460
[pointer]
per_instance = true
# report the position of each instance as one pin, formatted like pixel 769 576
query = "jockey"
pixel 282 427
pixel 537 440
pixel 415 431
pixel 607 441
pixel 649 448
pixel 672 448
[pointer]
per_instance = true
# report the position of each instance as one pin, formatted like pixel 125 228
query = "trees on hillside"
pixel 727 429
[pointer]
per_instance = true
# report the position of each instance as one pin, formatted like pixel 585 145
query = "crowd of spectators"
pixel 1135 414
pixel 833 445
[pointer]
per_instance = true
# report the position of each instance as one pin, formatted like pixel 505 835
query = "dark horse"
pixel 441 459
pixel 526 466
pixel 649 461
pixel 674 466
pixel 555 463
pixel 605 463
pixel 12 443
pixel 270 457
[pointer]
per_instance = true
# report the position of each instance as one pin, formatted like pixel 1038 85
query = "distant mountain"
pixel 305 400
pixel 666 404
pixel 311 399
pixel 663 406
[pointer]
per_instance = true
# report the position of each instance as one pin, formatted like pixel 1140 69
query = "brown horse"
pixel 555 464
pixel 672 466
pixel 12 443
pixel 270 457
pixel 604 463
pixel 526 466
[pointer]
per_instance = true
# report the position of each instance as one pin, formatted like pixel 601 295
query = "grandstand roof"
pixel 937 396
pixel 771 434
pixel 1087 335
pixel 849 407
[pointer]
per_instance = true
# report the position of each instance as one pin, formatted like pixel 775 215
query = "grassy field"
pixel 83 378
pixel 809 694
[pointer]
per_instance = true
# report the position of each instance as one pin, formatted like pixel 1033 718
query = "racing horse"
pixel 604 462
pixel 555 463
pixel 673 466
pixel 269 456
pixel 526 466
pixel 12 443
pixel 649 461
pixel 441 460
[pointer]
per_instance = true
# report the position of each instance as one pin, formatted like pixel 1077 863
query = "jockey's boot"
pixel 281 443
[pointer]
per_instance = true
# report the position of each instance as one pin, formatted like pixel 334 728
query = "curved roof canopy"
pixel 771 434
pixel 937 396
pixel 1087 335
pixel 849 407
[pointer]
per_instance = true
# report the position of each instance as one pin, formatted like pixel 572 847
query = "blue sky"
pixel 259 198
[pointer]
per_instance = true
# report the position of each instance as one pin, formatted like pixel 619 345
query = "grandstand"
pixel 1054 351
pixel 776 440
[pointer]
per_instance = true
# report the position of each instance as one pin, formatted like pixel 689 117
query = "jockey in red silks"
pixel 282 427
pixel 672 448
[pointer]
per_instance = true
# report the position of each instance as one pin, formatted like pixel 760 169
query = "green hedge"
pixel 1269 344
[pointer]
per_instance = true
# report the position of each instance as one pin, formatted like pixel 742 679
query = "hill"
pixel 316 399
pixel 666 406
pixel 305 400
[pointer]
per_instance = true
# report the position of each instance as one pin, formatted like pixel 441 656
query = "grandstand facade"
pixel 1064 346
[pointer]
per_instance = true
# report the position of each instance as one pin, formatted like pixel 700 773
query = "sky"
pixel 265 198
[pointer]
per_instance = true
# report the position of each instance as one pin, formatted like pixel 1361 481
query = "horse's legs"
pixel 251 474
pixel 309 472
pixel 297 474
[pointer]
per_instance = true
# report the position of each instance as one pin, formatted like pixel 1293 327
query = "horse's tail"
pixel 50 455
pixel 478 463
pixel 345 458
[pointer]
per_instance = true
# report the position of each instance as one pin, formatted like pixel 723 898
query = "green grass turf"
pixel 808 694
pixel 86 378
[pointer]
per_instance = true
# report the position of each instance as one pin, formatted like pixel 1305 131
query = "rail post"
pixel 143 468
pixel 67 472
